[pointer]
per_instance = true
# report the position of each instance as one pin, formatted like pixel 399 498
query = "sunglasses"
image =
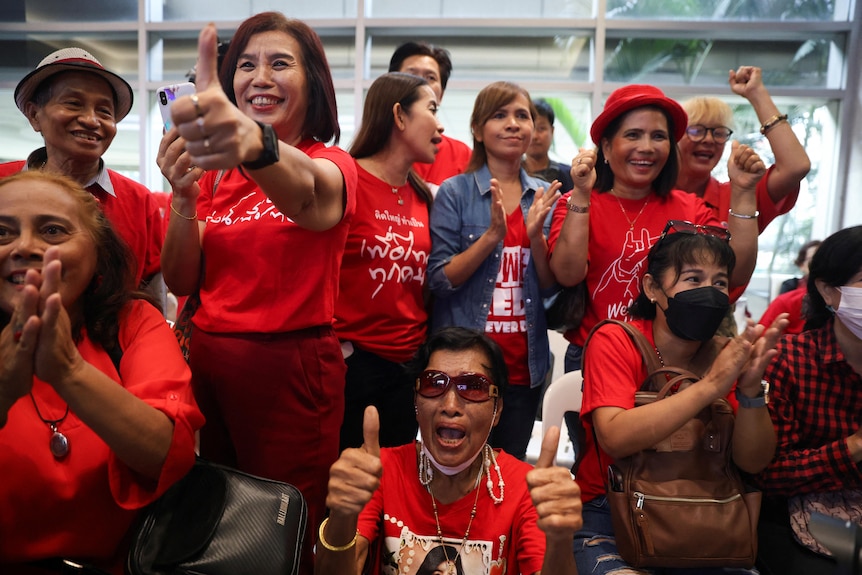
pixel 697 132
pixel 473 387
pixel 684 227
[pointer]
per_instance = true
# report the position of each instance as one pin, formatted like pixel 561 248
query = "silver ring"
pixel 207 144
pixel 579 161
pixel 200 123
pixel 196 102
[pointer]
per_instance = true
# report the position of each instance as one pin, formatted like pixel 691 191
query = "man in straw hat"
pixel 75 103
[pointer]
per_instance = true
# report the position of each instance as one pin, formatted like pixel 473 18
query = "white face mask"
pixel 850 309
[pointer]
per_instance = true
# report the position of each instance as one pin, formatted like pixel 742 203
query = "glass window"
pixel 556 57
pixel 483 9
pixel 213 10
pixel 734 10
pixel 802 63
pixel 66 11
pixel 117 52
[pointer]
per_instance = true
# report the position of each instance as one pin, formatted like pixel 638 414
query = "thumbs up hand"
pixel 555 495
pixel 355 476
pixel 217 134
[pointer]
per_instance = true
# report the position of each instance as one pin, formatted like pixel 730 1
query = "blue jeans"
pixel 596 550
pixel 512 434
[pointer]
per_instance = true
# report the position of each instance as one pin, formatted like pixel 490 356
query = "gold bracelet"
pixel 191 219
pixel 577 209
pixel 335 548
pixel 743 216
pixel 772 122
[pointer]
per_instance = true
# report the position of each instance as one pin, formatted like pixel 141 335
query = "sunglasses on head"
pixel 684 227
pixel 473 387
pixel 697 132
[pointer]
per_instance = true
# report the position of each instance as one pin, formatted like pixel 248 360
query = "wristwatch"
pixel 759 401
pixel 269 155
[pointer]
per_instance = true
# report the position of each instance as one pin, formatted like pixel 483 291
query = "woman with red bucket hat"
pixel 624 195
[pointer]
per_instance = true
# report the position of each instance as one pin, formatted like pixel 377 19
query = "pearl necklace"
pixel 625 213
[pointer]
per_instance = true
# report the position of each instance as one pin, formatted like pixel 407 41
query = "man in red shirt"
pixel 433 63
pixel 75 103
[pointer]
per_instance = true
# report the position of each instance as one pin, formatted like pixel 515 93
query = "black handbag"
pixel 220 521
pixel 565 309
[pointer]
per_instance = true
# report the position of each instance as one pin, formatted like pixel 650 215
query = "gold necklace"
pixel 451 564
pixel 625 213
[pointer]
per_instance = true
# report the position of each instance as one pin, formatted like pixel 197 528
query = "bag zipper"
pixel 641 497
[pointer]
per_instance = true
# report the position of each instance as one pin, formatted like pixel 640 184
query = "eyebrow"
pixel 276 56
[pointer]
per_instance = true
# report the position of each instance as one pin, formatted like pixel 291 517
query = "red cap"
pixel 634 96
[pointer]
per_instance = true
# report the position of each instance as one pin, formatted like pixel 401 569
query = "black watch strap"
pixel 269 155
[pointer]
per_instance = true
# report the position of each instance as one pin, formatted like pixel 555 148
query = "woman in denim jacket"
pixel 489 267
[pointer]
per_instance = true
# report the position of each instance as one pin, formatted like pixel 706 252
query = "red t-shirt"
pixel 83 505
pixel 613 371
pixel 717 198
pixel 617 255
pixel 451 159
pixel 507 318
pixel 791 303
pixel 133 211
pixel 380 304
pixel 504 538
pixel 263 273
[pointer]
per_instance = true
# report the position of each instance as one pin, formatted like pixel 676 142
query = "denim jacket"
pixel 461 213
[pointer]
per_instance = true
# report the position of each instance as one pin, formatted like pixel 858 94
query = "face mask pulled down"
pixel 697 313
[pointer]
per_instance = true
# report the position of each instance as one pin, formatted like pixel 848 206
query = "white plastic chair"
pixel 564 394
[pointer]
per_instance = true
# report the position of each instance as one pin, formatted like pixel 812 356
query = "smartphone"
pixel 167 95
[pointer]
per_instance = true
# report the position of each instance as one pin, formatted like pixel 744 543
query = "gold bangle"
pixel 191 219
pixel 577 209
pixel 335 548
pixel 772 122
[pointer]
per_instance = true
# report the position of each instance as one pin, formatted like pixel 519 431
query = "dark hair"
pixel 803 252
pixel 378 120
pixel 838 259
pixel 113 284
pixel 490 99
pixel 456 338
pixel 544 109
pixel 321 118
pixel 436 556
pixel 676 251
pixel 408 49
pixel 666 179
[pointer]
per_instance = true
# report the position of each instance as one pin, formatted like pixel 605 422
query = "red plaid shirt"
pixel 816 403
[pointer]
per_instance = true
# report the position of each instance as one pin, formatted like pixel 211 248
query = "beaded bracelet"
pixel 334 548
pixel 577 209
pixel 771 122
pixel 743 216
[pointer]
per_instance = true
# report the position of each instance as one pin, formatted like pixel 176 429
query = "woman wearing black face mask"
pixel 682 301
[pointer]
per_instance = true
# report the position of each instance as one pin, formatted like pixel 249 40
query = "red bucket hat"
pixel 634 96
pixel 73 59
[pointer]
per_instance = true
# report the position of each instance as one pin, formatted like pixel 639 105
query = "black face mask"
pixel 695 314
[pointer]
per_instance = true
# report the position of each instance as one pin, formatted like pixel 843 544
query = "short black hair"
pixel 440 55
pixel 544 109
pixel 838 259
pixel 462 339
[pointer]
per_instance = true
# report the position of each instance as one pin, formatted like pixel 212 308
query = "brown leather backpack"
pixel 682 503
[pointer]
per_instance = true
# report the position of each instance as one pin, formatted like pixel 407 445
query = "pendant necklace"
pixel 625 213
pixel 400 199
pixel 59 443
pixel 451 564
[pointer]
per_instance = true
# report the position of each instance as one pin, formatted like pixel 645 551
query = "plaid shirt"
pixel 816 403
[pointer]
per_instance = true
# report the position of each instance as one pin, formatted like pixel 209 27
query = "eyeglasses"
pixel 684 227
pixel 473 387
pixel 697 132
